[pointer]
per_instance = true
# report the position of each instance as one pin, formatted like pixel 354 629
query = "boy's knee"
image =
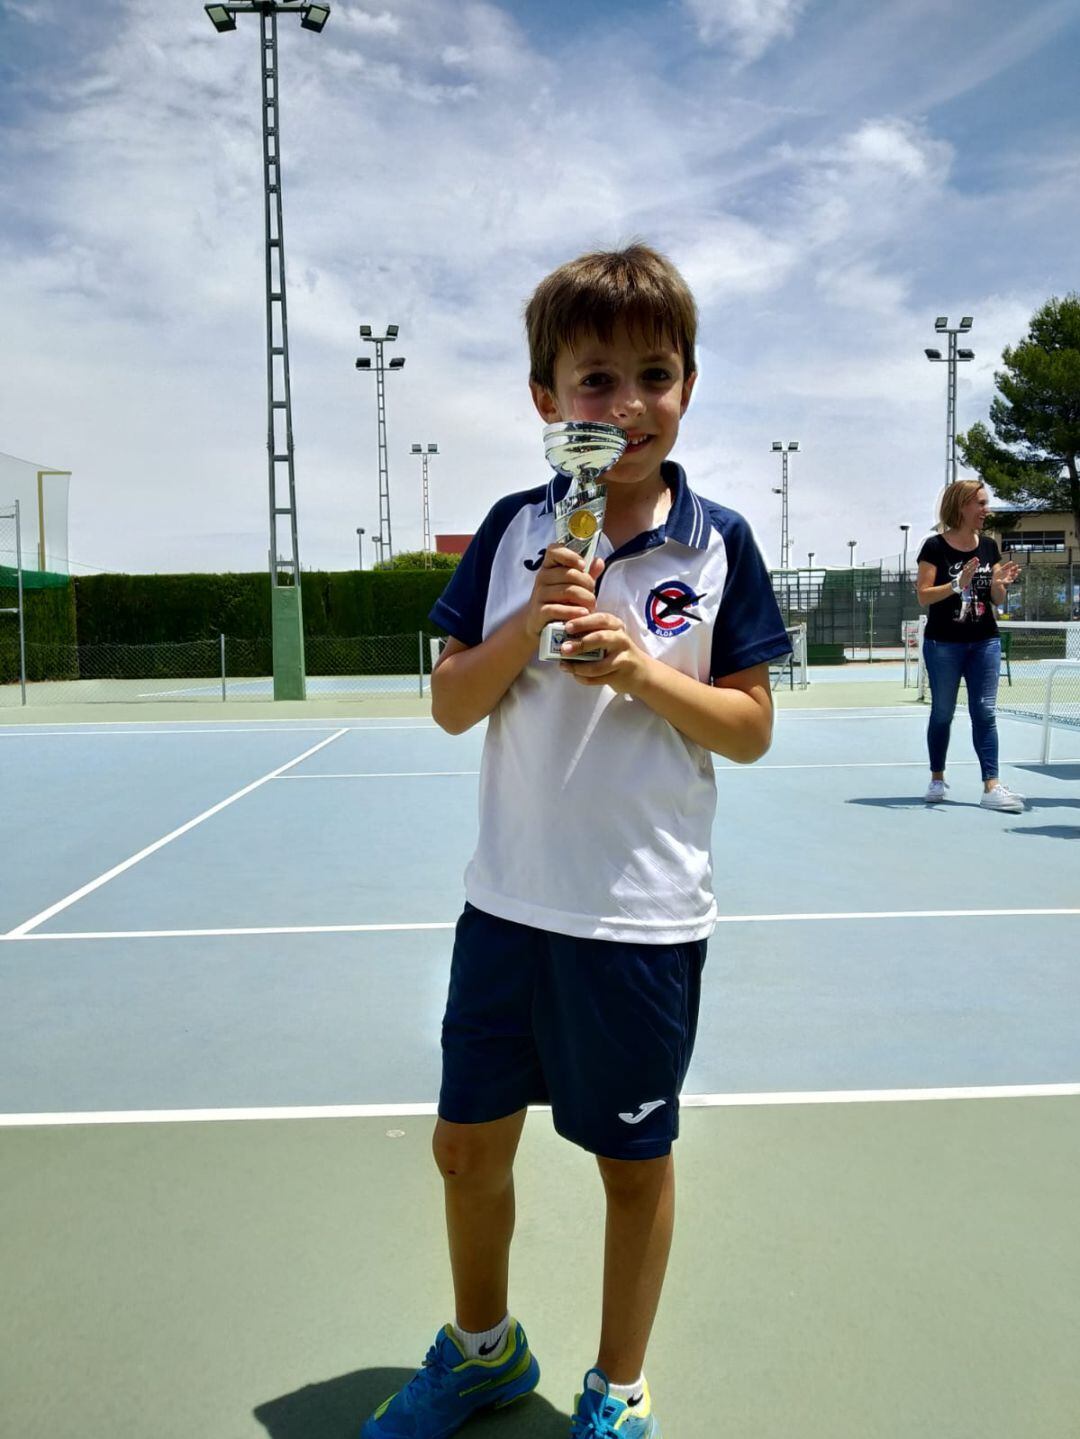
pixel 630 1178
pixel 463 1152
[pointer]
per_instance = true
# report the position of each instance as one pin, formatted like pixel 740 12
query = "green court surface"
pixel 840 1271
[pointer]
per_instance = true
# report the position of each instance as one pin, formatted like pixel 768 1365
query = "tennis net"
pixel 1040 671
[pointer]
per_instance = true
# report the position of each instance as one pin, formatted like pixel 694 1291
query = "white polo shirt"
pixel 595 813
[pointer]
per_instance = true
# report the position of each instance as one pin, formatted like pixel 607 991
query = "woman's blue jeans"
pixel 978 664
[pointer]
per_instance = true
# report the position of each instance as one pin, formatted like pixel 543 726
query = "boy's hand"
pixel 623 666
pixel 562 590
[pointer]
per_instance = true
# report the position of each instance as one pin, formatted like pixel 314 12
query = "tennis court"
pixel 222 968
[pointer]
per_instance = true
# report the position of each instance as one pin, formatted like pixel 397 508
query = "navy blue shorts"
pixel 601 1031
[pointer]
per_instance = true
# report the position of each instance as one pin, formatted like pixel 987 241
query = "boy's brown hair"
pixel 591 295
pixel 953 500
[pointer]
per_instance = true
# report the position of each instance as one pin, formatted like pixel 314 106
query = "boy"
pixel 577 961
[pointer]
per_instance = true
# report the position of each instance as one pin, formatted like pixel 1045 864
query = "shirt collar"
pixel 687 521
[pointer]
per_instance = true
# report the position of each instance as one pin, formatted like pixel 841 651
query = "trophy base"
pixel 553 635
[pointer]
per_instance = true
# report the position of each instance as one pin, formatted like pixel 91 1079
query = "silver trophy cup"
pixel 583 450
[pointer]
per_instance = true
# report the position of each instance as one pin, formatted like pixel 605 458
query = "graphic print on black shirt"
pixel 970 614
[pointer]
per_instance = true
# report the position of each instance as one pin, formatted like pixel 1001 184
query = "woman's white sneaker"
pixel 936 792
pixel 1003 799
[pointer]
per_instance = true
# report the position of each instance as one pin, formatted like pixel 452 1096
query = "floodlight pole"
pixel 285 604
pixel 397 363
pixel 785 538
pixel 360 533
pixel 424 454
pixel 952 359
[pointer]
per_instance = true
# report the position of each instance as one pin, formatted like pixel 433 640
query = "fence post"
pixel 223 669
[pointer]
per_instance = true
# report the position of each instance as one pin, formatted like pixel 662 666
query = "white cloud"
pixel 436 161
pixel 750 27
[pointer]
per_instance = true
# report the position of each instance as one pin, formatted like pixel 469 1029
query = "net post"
pixel 420 650
pixel 223 695
pixel 21 603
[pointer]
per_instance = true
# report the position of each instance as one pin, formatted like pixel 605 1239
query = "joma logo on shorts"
pixel 643 1112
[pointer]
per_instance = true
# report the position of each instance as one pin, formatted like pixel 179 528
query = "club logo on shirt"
pixel 667 609
pixel 535 564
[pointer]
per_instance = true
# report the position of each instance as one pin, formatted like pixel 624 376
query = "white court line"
pixel 61 904
pixel 720 769
pixel 32 731
pixel 801 918
pixel 396 774
pixel 400 1111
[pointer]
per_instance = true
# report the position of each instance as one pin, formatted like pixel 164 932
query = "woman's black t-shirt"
pixel 968 616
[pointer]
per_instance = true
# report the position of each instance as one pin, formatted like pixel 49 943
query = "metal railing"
pixel 212 670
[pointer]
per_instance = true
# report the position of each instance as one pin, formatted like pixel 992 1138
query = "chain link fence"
pixel 211 671
pixel 859 614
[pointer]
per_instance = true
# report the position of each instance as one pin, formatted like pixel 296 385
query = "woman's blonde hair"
pixel 953 500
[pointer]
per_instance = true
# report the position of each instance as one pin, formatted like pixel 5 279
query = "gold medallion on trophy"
pixel 582 524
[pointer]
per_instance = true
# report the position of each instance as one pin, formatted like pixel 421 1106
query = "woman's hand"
pixel 967 574
pixel 623 666
pixel 1006 572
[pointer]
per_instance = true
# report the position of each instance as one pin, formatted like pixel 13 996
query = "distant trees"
pixel 1031 459
pixel 420 560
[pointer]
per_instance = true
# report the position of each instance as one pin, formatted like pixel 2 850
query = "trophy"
pixel 584 451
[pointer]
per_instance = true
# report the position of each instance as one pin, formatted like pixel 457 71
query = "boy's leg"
pixel 476 1162
pixel 637 1240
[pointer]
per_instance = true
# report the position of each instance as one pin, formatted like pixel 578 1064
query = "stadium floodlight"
pixel 221 18
pixel 942 326
pixel 286 611
pixel 426 505
pixel 785 540
pixel 380 367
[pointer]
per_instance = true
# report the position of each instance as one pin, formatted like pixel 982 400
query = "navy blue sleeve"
pixel 460 608
pixel 749 627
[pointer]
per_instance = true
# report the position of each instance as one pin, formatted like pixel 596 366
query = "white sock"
pixel 625 1392
pixel 485 1345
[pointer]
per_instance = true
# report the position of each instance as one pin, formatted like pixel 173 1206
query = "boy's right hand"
pixel 562 590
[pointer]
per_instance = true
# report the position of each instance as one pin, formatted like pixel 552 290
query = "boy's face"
pixel 631 381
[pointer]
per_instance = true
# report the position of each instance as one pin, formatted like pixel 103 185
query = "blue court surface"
pixel 258 915
pixel 250 921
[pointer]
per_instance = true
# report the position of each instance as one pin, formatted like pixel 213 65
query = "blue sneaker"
pixel 449 1388
pixel 596 1415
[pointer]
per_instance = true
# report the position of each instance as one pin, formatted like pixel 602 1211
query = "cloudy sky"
pixel 829 174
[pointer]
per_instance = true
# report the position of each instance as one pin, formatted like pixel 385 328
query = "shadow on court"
pixel 1050 831
pixel 338 1407
pixel 1052 771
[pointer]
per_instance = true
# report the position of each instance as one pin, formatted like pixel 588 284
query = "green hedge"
pixel 50 633
pixel 157 609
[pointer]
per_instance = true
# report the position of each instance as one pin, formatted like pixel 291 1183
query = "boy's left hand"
pixel 623 666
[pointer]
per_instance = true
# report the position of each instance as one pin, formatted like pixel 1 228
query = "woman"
pixel 961 578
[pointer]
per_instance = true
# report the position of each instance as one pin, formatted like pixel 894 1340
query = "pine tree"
pixel 1031 458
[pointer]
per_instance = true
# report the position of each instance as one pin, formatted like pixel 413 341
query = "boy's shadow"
pixel 337 1408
